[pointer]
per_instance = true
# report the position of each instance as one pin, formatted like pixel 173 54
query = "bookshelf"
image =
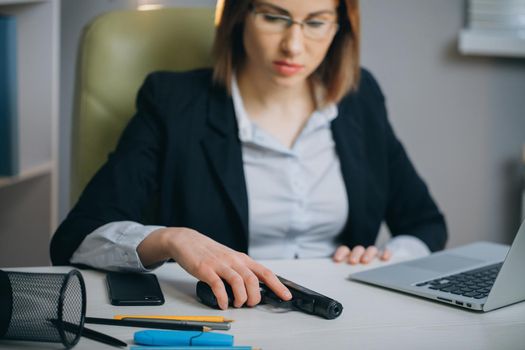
pixel 28 201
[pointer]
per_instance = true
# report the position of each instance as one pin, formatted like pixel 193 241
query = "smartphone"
pixel 134 289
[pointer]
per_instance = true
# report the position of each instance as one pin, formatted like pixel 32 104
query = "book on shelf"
pixel 8 97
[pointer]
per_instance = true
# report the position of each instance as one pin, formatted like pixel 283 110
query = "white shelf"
pixel 28 174
pixel 491 43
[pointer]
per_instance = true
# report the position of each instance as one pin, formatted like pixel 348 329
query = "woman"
pixel 282 151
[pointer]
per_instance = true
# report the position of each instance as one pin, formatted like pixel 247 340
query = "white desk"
pixel 372 318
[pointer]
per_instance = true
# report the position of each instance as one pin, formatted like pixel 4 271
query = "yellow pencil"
pixel 179 318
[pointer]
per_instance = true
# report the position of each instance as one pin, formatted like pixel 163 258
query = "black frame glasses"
pixel 315 29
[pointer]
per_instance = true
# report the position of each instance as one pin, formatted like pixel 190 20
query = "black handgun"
pixel 303 299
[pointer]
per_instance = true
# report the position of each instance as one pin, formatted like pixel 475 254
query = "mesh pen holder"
pixel 45 307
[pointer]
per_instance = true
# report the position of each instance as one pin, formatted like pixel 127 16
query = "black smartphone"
pixel 134 289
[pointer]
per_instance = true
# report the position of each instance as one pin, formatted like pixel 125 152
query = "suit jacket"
pixel 179 163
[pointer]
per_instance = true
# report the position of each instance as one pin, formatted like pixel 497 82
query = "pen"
pixel 89 333
pixel 218 326
pixel 145 324
pixel 193 348
pixel 178 318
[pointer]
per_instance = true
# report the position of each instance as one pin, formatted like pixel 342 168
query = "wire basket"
pixel 45 307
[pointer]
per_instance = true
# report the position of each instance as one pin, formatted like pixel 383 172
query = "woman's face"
pixel 282 52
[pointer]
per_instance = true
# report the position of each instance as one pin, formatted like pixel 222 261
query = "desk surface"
pixel 373 318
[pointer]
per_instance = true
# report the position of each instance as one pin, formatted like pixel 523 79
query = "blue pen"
pixel 182 338
pixel 193 348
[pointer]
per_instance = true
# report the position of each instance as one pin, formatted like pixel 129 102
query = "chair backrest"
pixel 117 51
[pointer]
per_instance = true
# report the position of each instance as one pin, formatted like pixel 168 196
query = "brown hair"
pixel 339 71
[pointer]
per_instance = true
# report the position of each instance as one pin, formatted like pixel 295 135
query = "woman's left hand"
pixel 360 255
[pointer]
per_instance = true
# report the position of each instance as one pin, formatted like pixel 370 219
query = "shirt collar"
pixel 244 124
pixel 320 117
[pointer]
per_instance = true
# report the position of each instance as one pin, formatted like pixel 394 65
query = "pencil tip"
pixel 206 329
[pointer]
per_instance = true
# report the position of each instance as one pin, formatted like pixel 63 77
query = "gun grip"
pixel 205 294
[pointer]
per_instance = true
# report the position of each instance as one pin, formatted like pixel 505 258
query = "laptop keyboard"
pixel 474 283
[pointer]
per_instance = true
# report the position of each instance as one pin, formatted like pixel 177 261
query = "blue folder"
pixel 8 97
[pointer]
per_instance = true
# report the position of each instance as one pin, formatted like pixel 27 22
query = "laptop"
pixel 481 276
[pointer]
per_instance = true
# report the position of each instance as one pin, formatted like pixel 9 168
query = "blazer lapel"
pixel 348 137
pixel 223 151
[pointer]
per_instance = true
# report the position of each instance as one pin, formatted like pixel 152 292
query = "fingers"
pixel 250 287
pixel 270 280
pixel 242 280
pixel 341 253
pixel 360 255
pixel 386 255
pixel 236 283
pixel 355 255
pixel 217 287
pixel 369 254
pixel 244 285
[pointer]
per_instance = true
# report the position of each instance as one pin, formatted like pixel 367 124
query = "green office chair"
pixel 117 51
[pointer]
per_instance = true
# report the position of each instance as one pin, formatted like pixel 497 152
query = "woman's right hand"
pixel 211 262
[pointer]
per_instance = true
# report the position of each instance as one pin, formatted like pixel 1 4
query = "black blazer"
pixel 179 163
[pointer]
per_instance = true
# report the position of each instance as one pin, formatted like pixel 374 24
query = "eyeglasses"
pixel 275 23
